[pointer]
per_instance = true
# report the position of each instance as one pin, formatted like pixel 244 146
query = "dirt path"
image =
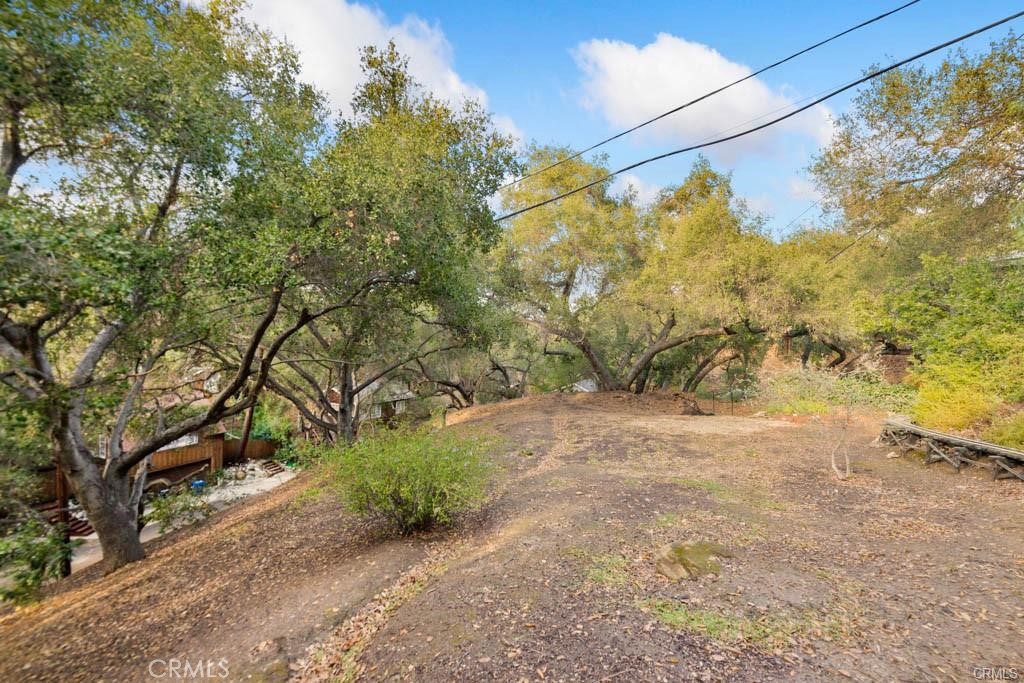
pixel 901 572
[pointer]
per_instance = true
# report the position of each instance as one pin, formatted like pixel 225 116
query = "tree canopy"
pixel 205 212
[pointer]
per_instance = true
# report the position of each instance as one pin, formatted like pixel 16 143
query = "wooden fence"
pixel 207 450
pixel 216 450
pixel 257 449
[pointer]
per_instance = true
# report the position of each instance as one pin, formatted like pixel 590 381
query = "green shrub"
pixel 798 406
pixel 963 321
pixel 270 422
pixel 178 509
pixel 413 478
pixel 291 454
pixel 952 406
pixel 30 555
pixel 1007 431
pixel 812 392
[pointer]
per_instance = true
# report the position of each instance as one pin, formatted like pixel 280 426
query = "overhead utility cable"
pixel 727 138
pixel 712 93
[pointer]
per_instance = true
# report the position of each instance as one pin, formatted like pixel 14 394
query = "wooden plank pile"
pixel 958 451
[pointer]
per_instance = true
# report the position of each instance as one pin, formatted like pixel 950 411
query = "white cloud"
pixel 645 192
pixel 762 203
pixel 628 84
pixel 506 126
pixel 803 189
pixel 329 33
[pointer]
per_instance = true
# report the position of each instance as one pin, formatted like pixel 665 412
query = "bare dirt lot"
pixel 900 572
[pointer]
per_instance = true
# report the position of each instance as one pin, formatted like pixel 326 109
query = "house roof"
pixel 387 397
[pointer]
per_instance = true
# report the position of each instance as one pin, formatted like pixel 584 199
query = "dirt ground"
pixel 900 572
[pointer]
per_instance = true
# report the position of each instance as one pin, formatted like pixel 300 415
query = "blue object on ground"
pixel 198 485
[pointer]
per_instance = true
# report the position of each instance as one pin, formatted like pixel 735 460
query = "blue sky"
pixel 525 57
pixel 572 73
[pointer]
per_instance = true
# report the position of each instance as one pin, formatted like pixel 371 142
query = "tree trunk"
pixel 706 370
pixel 840 354
pixel 104 493
pixel 116 525
pixel 109 506
pixel 641 381
pixel 63 517
pixel 246 430
pixel 805 355
pixel 606 381
pixel 348 426
pixel 696 377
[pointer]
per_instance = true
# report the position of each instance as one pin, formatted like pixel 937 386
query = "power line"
pixel 710 94
pixel 727 138
pixel 816 202
pixel 799 216
pixel 856 240
pixel 885 148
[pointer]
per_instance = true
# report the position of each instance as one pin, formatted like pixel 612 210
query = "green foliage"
pixel 810 392
pixel 923 179
pixel 551 373
pixel 952 406
pixel 271 422
pixel 798 406
pixel 1007 431
pixel 24 447
pixel 623 282
pixel 413 478
pixel 942 175
pixel 178 508
pixel 964 322
pixel 403 188
pixel 30 555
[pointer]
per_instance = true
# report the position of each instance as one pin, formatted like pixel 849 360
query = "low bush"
pixel 178 509
pixel 952 406
pixel 271 421
pixel 812 392
pixel 798 406
pixel 413 478
pixel 30 555
pixel 1007 431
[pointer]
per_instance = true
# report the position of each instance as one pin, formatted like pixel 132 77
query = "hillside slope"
pixel 900 571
